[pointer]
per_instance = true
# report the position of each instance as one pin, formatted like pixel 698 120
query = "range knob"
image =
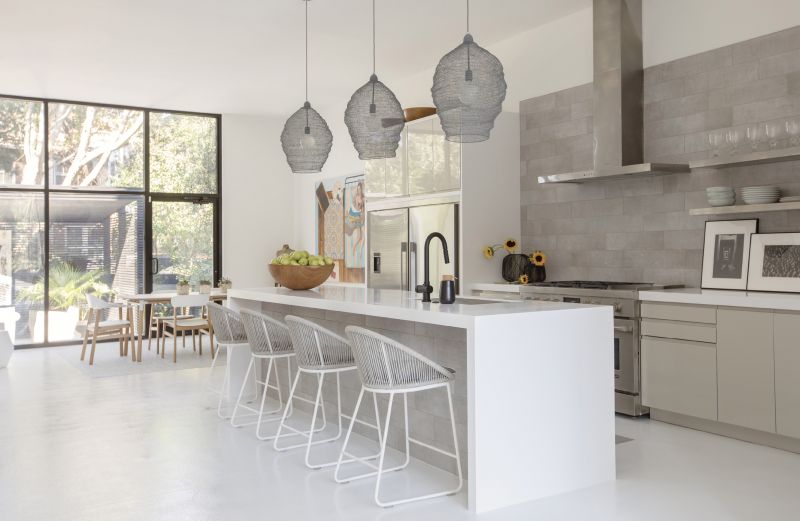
pixel 617 308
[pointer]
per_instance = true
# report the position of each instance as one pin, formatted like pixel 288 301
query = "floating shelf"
pixel 745 208
pixel 753 158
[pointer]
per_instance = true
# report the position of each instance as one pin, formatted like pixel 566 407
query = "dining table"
pixel 143 301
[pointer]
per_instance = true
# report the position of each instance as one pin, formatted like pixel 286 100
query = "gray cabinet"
pixel 680 376
pixel 787 373
pixel 746 368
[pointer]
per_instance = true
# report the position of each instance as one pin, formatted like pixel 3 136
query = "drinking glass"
pixel 773 132
pixel 793 131
pixel 715 142
pixel 755 134
pixel 732 138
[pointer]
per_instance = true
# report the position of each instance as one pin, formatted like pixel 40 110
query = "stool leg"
pixel 320 381
pixel 383 452
pixel 241 392
pixel 349 432
pixel 455 440
pixel 285 412
pixel 261 411
pixel 222 396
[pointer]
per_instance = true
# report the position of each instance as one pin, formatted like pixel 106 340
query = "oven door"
pixel 626 356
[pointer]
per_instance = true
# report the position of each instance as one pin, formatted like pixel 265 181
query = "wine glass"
pixel 793 131
pixel 773 132
pixel 755 134
pixel 715 142
pixel 732 138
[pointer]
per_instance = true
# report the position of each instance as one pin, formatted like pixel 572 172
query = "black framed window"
pixel 79 185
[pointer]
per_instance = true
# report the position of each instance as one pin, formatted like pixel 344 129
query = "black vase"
pixel 514 266
pixel 538 273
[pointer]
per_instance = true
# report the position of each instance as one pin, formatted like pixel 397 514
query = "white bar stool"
pixel 269 340
pixel 228 330
pixel 389 367
pixel 319 352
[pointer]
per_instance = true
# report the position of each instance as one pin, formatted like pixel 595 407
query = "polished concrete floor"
pixel 148 446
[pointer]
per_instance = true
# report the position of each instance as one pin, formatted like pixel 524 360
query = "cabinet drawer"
pixel 680 376
pixel 680 312
pixel 680 330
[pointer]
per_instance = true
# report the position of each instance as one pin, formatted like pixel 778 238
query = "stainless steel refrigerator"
pixel 396 241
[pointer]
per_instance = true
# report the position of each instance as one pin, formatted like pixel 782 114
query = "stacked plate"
pixel 720 196
pixel 790 199
pixel 760 194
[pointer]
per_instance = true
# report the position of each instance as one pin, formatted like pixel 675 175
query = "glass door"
pixel 182 242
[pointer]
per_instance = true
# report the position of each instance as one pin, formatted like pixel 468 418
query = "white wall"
pixel 257 188
pixel 678 28
pixel 490 199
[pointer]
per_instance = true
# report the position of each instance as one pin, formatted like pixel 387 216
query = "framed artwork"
pixel 340 223
pixel 726 253
pixel 775 262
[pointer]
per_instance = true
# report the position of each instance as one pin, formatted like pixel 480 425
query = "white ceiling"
pixel 237 56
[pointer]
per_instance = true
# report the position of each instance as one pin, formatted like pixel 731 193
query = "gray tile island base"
pixel 534 394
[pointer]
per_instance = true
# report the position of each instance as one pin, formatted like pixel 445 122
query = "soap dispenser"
pixel 447 291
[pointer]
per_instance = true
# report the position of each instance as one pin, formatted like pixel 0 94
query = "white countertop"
pixel 401 305
pixel 721 297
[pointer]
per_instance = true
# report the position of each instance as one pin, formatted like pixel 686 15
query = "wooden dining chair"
pixel 176 325
pixel 98 328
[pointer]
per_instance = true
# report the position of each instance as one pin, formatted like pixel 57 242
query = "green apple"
pixel 313 262
pixel 284 261
pixel 303 261
pixel 328 260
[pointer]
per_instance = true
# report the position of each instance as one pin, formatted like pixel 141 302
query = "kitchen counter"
pixel 720 297
pixel 535 393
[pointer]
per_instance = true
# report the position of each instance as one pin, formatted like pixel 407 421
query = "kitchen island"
pixel 534 391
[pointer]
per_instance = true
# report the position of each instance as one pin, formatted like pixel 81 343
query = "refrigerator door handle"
pixel 403 265
pixel 411 281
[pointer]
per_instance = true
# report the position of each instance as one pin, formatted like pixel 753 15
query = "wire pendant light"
pixel 468 90
pixel 373 116
pixel 306 138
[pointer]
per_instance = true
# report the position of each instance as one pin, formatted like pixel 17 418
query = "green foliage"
pixel 68 287
pixel 183 153
pixel 183 282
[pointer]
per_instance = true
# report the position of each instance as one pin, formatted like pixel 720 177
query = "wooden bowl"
pixel 300 277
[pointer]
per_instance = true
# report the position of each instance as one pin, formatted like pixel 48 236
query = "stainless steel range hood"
pixel 618 91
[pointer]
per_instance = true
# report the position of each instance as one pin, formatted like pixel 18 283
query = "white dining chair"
pixel 99 327
pixel 175 325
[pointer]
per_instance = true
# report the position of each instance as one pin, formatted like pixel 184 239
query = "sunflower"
pixel 523 279
pixel 488 252
pixel 538 258
pixel 510 245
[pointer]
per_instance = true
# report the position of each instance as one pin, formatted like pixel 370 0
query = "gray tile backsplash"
pixel 640 229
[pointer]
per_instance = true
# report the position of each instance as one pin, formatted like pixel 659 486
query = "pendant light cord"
pixel 372 105
pixel 468 76
pixel 306 2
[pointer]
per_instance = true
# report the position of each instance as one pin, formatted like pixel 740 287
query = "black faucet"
pixel 425 288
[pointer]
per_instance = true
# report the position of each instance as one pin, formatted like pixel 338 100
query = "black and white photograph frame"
pixel 775 262
pixel 726 253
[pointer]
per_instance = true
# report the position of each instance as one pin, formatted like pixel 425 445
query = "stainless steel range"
pixel 624 298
